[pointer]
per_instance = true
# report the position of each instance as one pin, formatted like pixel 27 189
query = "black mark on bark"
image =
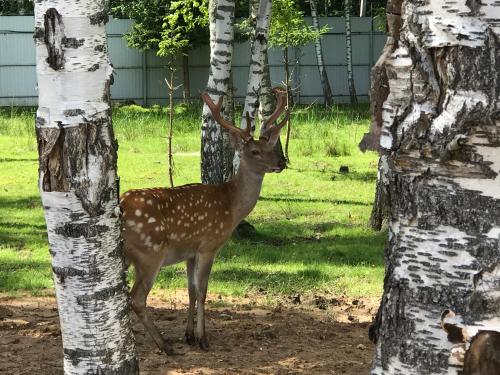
pixel 54 36
pixel 73 42
pixel 98 18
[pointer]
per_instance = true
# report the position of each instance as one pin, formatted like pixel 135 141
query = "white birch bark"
pixel 441 136
pixel 221 51
pixel 259 46
pixel 348 43
pixel 325 84
pixel 78 186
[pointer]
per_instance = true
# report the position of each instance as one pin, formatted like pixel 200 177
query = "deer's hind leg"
pixel 144 279
pixel 203 267
pixel 191 264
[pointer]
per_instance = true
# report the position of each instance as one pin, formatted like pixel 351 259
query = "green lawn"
pixel 311 220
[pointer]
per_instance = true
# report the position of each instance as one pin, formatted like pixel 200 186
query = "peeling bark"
pixel 440 126
pixel 79 187
pixel 221 50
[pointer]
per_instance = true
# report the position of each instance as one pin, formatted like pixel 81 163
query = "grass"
pixel 311 220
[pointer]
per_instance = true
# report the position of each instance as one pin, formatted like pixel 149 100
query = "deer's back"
pixel 178 221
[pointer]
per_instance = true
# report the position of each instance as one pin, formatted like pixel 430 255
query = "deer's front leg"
pixel 190 338
pixel 203 267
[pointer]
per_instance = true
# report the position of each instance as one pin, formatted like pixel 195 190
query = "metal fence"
pixel 139 76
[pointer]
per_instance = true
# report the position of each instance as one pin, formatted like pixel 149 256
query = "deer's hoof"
pixel 204 343
pixel 190 338
pixel 167 349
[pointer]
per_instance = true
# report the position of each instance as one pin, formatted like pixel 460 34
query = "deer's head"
pixel 257 155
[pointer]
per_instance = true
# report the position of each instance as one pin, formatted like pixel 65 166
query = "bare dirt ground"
pixel 300 335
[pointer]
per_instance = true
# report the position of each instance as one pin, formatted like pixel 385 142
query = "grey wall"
pixel 140 76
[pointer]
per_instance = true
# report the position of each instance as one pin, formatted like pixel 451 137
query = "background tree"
pixel 440 139
pixel 79 186
pixel 348 44
pixel 288 30
pixel 221 16
pixel 327 91
pixel 176 26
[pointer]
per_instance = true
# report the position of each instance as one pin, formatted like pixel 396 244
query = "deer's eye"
pixel 255 152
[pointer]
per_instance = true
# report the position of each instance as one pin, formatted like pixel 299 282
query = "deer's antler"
pixel 268 129
pixel 245 134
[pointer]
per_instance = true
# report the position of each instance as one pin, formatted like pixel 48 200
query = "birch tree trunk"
pixel 379 90
pixel 221 14
pixel 441 135
pixel 79 186
pixel 325 84
pixel 259 45
pixel 227 148
pixel 348 44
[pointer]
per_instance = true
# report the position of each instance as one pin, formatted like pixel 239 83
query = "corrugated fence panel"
pixel 140 76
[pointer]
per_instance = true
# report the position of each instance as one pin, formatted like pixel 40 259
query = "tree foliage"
pixel 166 26
pixel 145 32
pixel 184 27
pixel 288 28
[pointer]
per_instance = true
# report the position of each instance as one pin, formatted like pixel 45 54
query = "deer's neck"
pixel 244 190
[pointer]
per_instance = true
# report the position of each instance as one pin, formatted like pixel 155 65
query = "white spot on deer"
pixel 151 220
pixel 142 199
pixel 209 205
pixel 186 225
pixel 131 223
pixel 201 217
pixel 183 234
pixel 140 225
pixel 221 225
pixel 156 247
pixel 138 213
pixel 216 231
pixel 143 236
pixel 127 193
pixel 150 202
pixel 157 229
pixel 209 224
pixel 178 222
pixel 226 212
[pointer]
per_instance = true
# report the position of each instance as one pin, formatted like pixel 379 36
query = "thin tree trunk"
pixel 79 187
pixel 325 84
pixel 362 8
pixel 221 50
pixel 440 133
pixel 186 95
pixel 289 102
pixel 170 85
pixel 348 43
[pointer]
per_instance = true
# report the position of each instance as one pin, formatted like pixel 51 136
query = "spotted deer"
pixel 191 223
